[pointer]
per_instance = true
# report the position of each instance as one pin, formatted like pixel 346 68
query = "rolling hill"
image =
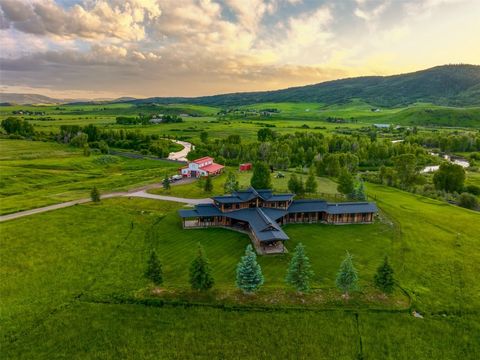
pixel 452 85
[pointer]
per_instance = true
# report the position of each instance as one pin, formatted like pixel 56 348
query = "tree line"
pixel 249 277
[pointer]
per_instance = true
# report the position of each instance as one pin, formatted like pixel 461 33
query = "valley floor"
pixel 72 286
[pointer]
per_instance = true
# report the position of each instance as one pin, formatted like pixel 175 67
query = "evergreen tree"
pixel 154 269
pixel 299 270
pixel 200 273
pixel 311 183
pixel 249 272
pixel 231 184
pixel 346 184
pixel 261 178
pixel 166 182
pixel 360 192
pixel 347 276
pixel 208 187
pixel 95 194
pixel 384 279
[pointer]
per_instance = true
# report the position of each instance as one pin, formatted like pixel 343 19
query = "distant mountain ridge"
pixel 27 99
pixel 454 85
pixel 451 85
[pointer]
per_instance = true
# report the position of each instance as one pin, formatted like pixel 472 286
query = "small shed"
pixel 245 167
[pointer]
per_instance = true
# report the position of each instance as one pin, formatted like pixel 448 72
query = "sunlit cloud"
pixel 201 47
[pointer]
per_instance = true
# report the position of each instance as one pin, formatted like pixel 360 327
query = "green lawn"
pixel 326 187
pixel 34 174
pixel 63 272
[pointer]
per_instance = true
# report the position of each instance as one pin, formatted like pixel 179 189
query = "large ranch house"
pixel 261 213
pixel 201 167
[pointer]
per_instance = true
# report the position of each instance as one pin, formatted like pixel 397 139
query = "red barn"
pixel 201 167
pixel 245 167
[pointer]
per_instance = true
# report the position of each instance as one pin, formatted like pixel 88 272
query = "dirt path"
pixel 182 154
pixel 138 192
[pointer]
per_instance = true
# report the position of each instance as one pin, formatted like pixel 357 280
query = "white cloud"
pixel 122 19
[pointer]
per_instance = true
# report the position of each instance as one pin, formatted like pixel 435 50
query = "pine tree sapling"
pixel 166 182
pixel 200 273
pixel 347 276
pixel 249 272
pixel 299 270
pixel 154 269
pixel 384 279
pixel 95 194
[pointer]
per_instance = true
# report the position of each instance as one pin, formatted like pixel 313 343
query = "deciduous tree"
pixel 346 184
pixel 311 183
pixel 261 178
pixel 208 187
pixel 449 177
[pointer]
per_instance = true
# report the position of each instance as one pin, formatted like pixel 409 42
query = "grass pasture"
pixel 35 174
pixel 195 190
pixel 57 292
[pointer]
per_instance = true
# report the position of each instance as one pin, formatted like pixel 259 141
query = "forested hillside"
pixel 454 85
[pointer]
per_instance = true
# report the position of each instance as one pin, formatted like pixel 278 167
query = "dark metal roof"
pixel 352 208
pixel 250 194
pixel 201 210
pixel 307 206
pixel 332 208
pixel 263 220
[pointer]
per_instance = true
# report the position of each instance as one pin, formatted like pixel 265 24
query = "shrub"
pixel 468 201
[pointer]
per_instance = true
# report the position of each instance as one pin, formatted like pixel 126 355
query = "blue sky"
pixel 108 48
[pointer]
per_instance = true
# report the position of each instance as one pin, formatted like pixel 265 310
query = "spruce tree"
pixel 311 183
pixel 231 184
pixel 208 187
pixel 95 194
pixel 249 272
pixel 299 270
pixel 200 273
pixel 347 276
pixel 384 279
pixel 154 269
pixel 360 192
pixel 166 183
